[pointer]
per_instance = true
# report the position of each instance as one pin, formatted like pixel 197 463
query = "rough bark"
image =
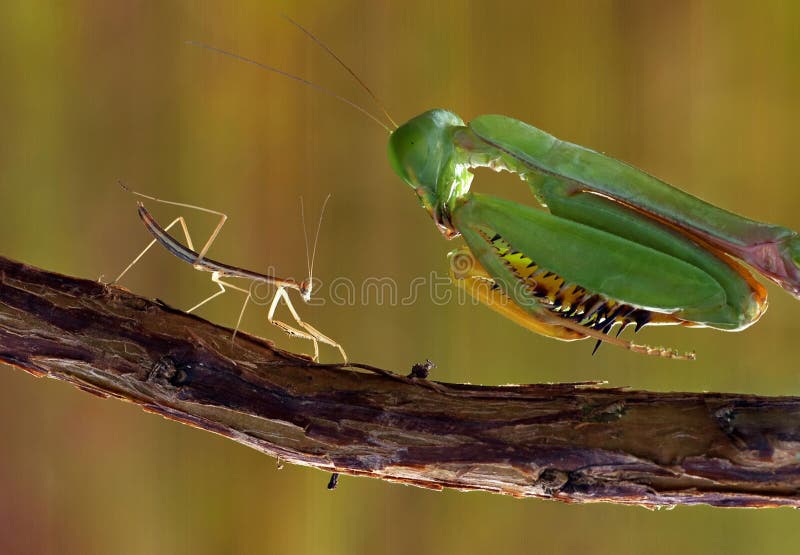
pixel 573 442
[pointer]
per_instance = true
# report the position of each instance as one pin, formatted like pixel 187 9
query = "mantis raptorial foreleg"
pixel 223 287
pixel 310 333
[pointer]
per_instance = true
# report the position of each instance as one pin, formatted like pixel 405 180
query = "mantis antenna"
pixel 310 261
pixel 297 78
pixel 327 49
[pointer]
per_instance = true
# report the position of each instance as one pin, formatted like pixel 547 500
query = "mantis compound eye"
pixel 306 288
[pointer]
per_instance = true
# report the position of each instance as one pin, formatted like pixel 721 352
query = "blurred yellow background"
pixel 702 94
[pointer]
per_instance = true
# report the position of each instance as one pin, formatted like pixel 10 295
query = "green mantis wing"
pixel 559 171
pixel 601 263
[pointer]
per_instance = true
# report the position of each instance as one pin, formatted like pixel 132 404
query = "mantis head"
pixel 422 152
pixel 306 287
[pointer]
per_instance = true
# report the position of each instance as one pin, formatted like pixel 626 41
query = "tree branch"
pixel 573 442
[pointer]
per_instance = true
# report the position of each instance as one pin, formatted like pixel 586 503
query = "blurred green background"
pixel 702 94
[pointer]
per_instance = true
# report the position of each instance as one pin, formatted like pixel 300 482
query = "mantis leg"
pixel 310 333
pixel 224 286
pixel 222 219
pixel 517 299
pixel 467 273
pixel 180 220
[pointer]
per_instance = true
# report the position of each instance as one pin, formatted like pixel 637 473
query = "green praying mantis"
pixel 615 246
pixel 609 245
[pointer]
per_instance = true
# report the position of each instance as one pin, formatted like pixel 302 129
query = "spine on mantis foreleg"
pixel 567 312
pixel 506 143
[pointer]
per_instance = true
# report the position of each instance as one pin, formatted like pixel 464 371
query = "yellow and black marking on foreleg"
pixel 571 311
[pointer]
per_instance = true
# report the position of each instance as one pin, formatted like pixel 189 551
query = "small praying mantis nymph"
pixel 219 270
pixel 609 245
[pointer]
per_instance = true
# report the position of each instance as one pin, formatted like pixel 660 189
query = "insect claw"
pixel 596 311
pixel 613 317
pixel 572 310
pixel 641 320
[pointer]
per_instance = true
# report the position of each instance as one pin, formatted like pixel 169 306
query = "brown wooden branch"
pixel 571 442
